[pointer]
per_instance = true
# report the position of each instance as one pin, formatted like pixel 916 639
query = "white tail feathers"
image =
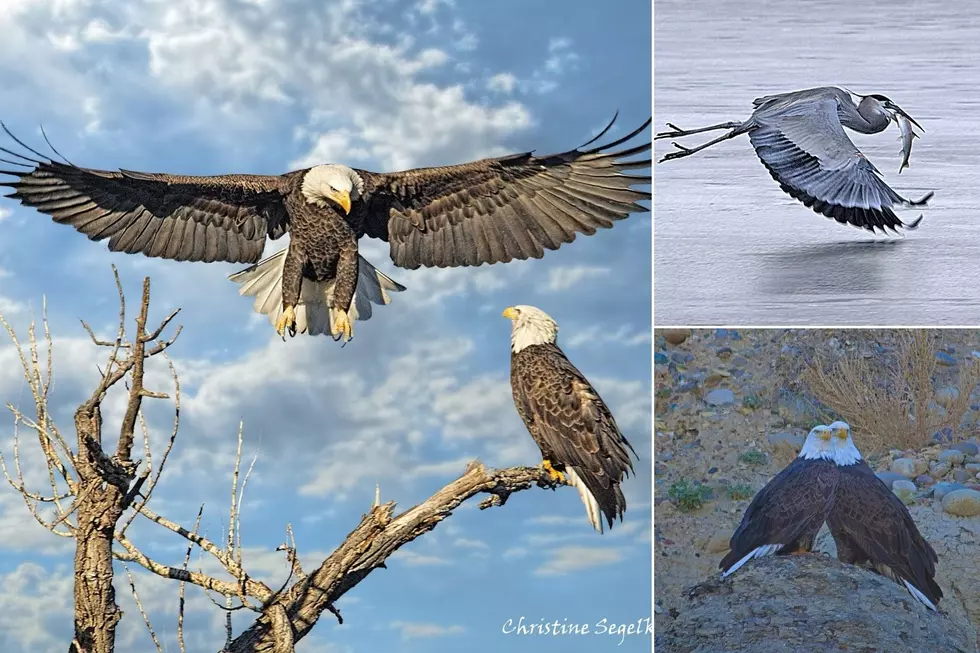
pixel 758 552
pixel 591 505
pixel 919 595
pixel 264 282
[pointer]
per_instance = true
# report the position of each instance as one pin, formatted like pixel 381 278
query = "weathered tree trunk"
pixel 816 604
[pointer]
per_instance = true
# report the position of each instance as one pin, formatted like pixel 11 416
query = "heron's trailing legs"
pixel 677 132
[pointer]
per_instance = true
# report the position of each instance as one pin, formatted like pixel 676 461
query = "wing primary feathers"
pixel 53 148
pixel 44 159
pixel 600 134
pixel 623 140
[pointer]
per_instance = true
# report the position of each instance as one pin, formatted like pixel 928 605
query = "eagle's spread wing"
pixel 805 149
pixel 221 218
pixel 790 508
pixel 870 523
pixel 568 418
pixel 497 210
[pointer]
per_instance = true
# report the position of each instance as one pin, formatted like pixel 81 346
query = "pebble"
pixel 676 336
pixel 968 448
pixel 938 470
pixel 904 490
pixel 718 541
pixel 720 397
pixel 940 490
pixel 924 480
pixel 724 353
pixel 962 503
pixel 712 470
pixel 945 434
pixel 660 358
pixel 888 478
pixel 660 469
pixel 961 475
pixel 795 440
pixel 972 467
pixel 945 359
pixel 681 357
pixel 724 334
pixel 904 466
pixel 951 456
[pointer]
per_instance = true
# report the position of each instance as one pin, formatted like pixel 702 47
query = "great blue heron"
pixel 800 138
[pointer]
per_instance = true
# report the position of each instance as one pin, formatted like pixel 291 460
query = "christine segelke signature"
pixel 603 628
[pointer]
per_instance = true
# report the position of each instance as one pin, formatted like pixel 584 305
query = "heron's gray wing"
pixel 806 150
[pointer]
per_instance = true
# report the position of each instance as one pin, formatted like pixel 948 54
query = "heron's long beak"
pixel 897 109
pixel 510 313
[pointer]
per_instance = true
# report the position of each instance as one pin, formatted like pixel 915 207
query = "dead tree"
pixel 96 493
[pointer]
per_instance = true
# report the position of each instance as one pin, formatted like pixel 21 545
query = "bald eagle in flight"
pixel 830 482
pixel 578 437
pixel 487 211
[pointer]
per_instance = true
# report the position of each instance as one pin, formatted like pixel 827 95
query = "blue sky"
pixel 219 86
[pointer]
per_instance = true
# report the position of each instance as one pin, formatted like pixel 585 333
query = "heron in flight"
pixel 800 138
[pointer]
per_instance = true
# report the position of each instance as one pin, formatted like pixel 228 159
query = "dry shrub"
pixel 894 404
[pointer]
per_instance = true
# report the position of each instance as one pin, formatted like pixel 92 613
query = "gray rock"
pixel 951 456
pixel 888 478
pixel 961 475
pixel 962 503
pixel 795 440
pixel 938 470
pixel 666 456
pixel 924 480
pixel 720 397
pixel 940 490
pixel 904 490
pixel 968 448
pixel 904 466
pixel 972 467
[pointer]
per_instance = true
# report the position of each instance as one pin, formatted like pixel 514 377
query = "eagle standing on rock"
pixel 487 211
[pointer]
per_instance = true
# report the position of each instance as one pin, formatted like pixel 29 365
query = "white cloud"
pixel 466 543
pixel 413 630
pixel 502 82
pixel 561 278
pixel 413 559
pixel 601 335
pixel 4 213
pixel 576 558
pixel 32 600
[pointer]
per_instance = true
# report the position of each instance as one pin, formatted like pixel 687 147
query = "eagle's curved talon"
pixel 340 325
pixel 286 321
pixel 553 474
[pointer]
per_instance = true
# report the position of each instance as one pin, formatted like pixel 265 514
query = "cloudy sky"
pixel 263 86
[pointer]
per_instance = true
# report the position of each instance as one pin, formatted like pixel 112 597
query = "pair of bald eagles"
pixel 829 482
pixel 487 211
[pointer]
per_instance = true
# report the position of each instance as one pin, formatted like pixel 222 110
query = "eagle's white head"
pixel 819 444
pixel 845 453
pixel 531 326
pixel 332 182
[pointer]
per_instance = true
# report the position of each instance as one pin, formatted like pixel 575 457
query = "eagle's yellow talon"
pixel 341 325
pixel 286 321
pixel 553 473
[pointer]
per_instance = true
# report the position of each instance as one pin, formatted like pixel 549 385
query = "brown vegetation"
pixel 892 402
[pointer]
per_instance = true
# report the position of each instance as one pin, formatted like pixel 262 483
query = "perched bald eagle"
pixel 578 437
pixel 487 211
pixel 872 527
pixel 785 516
pixel 830 482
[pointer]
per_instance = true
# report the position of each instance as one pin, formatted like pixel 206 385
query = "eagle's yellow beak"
pixel 510 313
pixel 824 435
pixel 342 198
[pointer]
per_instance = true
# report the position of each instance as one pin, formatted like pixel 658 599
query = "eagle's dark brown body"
pixel 571 424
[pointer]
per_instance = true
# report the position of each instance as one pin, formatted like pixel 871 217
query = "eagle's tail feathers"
pixel 264 282
pixel 919 595
pixel 757 552
pixel 591 505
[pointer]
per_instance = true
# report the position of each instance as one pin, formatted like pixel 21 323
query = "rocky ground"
pixel 732 409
